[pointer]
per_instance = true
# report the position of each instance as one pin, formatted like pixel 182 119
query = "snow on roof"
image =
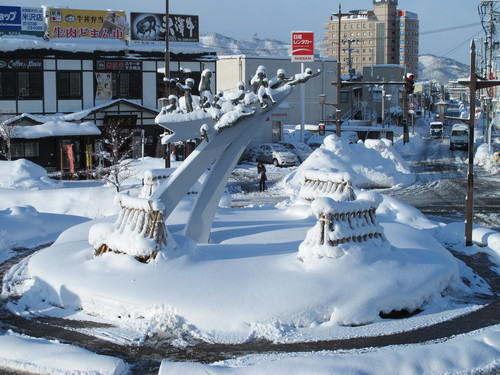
pixel 13 43
pixel 57 129
pixel 76 116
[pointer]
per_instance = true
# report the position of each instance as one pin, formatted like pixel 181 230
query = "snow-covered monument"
pixel 226 126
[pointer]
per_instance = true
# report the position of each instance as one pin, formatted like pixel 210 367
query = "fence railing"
pixel 342 224
pixel 326 184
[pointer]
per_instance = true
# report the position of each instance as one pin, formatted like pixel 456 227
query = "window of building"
pixel 69 85
pixel 7 84
pixel 25 149
pixel 126 85
pixel 21 84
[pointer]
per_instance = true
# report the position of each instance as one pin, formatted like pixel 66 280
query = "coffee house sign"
pixel 24 64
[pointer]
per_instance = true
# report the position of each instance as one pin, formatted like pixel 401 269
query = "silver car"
pixel 298 148
pixel 273 153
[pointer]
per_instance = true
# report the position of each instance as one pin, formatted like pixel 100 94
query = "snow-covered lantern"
pixel 442 107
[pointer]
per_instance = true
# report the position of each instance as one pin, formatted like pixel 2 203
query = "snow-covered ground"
pixel 249 281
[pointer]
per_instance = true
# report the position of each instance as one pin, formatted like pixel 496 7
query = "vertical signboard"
pixel 302 46
pixel 20 20
pixel 77 23
pixel 183 28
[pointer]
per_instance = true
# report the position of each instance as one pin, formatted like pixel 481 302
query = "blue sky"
pixel 276 19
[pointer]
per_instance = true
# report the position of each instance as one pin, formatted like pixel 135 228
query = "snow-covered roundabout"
pixel 249 282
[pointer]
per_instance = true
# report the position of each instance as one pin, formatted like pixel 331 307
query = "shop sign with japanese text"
pixel 302 46
pixel 21 21
pixel 79 23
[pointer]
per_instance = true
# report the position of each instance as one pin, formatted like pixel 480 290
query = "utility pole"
pixel 166 77
pixel 351 70
pixel 167 54
pixel 474 84
pixel 339 78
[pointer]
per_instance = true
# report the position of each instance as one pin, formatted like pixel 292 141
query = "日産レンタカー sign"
pixel 302 46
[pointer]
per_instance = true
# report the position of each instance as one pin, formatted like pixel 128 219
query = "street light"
pixel 388 97
pixel 339 15
pixel 322 101
pixel 442 107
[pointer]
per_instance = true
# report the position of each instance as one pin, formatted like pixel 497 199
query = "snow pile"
pixel 202 285
pixel 24 174
pixel 412 148
pixel 27 354
pixel 37 228
pixel 462 354
pixel 484 157
pixel 374 166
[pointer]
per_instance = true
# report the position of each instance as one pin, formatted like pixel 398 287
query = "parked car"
pixel 273 153
pixel 436 129
pixel 459 136
pixel 298 148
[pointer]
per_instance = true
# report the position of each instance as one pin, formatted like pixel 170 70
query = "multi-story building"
pixel 384 35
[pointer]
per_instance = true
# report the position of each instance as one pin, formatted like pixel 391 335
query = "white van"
pixel 459 136
pixel 436 129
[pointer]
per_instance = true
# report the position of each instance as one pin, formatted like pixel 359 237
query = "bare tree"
pixel 7 133
pixel 114 157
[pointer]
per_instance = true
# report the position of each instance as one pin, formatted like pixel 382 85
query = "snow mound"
pixel 52 357
pixel 371 164
pixel 24 174
pixel 199 289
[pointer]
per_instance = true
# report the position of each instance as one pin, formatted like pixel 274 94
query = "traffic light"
pixel 409 83
pixel 321 129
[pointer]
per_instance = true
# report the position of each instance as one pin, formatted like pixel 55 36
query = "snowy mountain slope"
pixel 441 69
pixel 256 47
pixel 430 67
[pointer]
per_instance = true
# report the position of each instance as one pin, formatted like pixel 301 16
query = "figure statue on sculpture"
pixel 187 88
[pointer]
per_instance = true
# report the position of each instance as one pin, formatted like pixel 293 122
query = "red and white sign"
pixel 302 46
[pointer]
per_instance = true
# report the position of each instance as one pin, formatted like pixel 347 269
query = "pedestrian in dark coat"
pixel 261 170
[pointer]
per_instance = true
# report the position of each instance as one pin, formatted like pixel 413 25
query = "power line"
pixel 450 28
pixel 453 49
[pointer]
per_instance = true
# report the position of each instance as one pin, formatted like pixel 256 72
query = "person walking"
pixel 261 170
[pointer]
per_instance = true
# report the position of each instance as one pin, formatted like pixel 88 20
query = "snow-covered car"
pixel 273 153
pixel 349 136
pixel 298 148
